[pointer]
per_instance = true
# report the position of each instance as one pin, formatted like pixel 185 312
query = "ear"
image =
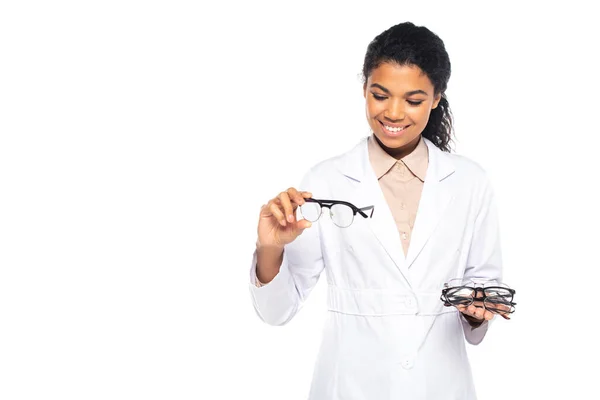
pixel 436 100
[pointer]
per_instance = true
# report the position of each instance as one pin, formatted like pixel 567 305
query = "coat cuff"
pixel 473 335
pixel 276 301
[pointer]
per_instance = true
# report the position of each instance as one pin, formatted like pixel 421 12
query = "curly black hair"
pixel 408 44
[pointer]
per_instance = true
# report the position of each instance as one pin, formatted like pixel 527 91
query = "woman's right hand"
pixel 277 225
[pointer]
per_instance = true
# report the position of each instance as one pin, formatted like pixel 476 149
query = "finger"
pixel 265 210
pixel 481 313
pixel 302 225
pixel 277 201
pixel 488 315
pixel 277 214
pixel 478 303
pixel 502 309
pixel 474 312
pixel 287 206
pixel 296 197
pixel 471 310
pixel 306 195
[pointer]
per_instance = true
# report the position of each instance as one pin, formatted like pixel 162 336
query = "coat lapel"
pixel 355 166
pixel 435 198
pixel 383 224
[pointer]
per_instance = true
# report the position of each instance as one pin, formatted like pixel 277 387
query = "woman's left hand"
pixel 478 312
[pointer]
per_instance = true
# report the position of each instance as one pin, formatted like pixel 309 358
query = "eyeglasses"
pixel 495 297
pixel 341 212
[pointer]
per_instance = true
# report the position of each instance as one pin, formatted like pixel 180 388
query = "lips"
pixel 393 129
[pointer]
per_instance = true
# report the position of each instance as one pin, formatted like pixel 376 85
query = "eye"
pixel 378 97
pixel 414 103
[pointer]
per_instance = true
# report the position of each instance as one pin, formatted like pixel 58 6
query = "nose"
pixel 395 111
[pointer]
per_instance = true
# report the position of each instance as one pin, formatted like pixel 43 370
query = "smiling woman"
pixel 431 219
pixel 404 90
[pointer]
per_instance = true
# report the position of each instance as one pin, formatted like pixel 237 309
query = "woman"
pixel 387 335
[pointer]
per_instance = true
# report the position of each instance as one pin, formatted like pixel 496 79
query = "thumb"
pixel 302 225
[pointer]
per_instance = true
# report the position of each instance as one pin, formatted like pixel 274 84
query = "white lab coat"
pixel 387 334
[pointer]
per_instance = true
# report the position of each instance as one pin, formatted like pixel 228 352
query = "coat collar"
pixel 355 163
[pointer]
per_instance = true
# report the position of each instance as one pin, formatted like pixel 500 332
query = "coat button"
pixel 407 363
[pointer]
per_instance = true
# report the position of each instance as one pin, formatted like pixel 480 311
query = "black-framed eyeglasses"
pixel 497 298
pixel 341 212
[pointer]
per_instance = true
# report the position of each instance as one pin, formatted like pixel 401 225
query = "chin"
pixel 394 143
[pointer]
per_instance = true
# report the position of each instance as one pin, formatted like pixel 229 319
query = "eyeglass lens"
pixel 341 214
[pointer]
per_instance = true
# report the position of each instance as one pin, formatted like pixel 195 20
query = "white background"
pixel 139 139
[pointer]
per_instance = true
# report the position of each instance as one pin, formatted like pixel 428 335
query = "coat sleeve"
pixel 277 302
pixel 485 259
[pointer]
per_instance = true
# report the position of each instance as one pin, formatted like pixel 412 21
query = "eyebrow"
pixel 419 91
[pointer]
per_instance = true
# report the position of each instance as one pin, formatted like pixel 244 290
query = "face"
pixel 399 100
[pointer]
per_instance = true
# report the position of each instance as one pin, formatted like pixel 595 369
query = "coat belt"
pixel 381 302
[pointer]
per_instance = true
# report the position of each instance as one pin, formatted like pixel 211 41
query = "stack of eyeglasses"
pixel 493 296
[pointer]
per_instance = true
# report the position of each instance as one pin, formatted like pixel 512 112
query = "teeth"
pixel 392 129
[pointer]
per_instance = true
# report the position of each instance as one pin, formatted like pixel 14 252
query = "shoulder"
pixel 323 172
pixel 464 172
pixel 340 162
pixel 472 177
pixel 468 167
pixel 319 176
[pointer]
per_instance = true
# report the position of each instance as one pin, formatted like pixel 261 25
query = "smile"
pixel 393 130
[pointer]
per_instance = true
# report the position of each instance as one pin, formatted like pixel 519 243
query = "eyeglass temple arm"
pixel 372 208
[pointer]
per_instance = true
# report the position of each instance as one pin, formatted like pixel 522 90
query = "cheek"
pixel 373 109
pixel 420 115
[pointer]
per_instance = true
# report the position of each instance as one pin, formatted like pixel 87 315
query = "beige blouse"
pixel 401 182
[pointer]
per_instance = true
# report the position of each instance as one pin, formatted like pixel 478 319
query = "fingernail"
pixel 309 224
pixel 290 218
